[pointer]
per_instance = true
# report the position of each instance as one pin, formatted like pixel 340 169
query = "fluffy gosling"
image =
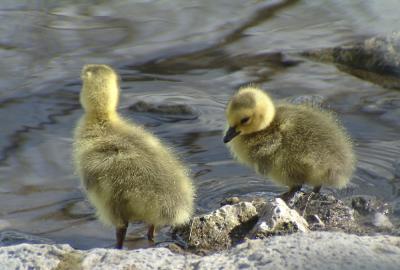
pixel 293 144
pixel 127 173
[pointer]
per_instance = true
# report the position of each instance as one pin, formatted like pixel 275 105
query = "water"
pixel 176 52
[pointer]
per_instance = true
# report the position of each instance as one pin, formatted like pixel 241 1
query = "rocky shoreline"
pixel 314 250
pixel 312 231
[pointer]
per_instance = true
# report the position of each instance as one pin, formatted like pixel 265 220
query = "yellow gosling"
pixel 293 144
pixel 128 174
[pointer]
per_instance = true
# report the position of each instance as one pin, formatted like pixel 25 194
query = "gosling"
pixel 127 173
pixel 293 144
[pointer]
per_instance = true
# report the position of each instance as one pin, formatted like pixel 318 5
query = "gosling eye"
pixel 245 120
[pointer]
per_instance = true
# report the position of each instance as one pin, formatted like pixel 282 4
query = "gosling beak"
pixel 230 134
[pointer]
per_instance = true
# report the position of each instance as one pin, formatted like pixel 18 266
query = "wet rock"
pixel 366 205
pixel 10 237
pixel 276 218
pixel 376 59
pixel 316 101
pixel 324 209
pixel 177 109
pixel 230 201
pixel 221 228
pixel 377 54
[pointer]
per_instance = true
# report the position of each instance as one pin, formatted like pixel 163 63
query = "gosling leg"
pixel 289 194
pixel 120 234
pixel 150 233
pixel 316 189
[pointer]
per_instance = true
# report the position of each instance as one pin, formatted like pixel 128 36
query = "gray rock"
pixel 376 59
pixel 314 250
pixel 366 205
pixel 377 54
pixel 316 101
pixel 231 223
pixel 175 109
pixel 277 218
pixel 221 228
pixel 324 211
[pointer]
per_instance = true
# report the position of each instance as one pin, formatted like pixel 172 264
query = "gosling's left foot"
pixel 317 189
pixel 150 233
pixel 120 234
pixel 287 196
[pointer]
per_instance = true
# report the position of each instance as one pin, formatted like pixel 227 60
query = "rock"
pixel 324 209
pixel 230 201
pixel 177 109
pixel 31 256
pixel 220 229
pixel 366 205
pixel 382 221
pixel 10 237
pixel 314 250
pixel 376 59
pixel 316 101
pixel 377 54
pixel 277 218
pixel 230 224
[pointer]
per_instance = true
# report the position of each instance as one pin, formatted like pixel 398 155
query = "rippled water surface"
pixel 194 53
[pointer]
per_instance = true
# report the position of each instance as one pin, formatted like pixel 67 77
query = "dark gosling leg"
pixel 150 233
pixel 289 194
pixel 317 189
pixel 120 234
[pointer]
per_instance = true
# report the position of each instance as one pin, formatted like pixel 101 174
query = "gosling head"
pixel 100 91
pixel 250 110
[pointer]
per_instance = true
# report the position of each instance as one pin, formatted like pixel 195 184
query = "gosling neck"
pixel 101 116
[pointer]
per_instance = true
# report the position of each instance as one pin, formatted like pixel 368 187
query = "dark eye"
pixel 244 120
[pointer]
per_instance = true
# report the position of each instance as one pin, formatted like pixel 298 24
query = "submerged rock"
pixel 177 109
pixel 315 101
pixel 11 237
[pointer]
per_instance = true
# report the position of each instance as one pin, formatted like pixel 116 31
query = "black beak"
pixel 230 134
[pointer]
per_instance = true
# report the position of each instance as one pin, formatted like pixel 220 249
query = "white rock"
pixel 277 218
pixel 31 256
pixel 314 250
pixel 382 221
